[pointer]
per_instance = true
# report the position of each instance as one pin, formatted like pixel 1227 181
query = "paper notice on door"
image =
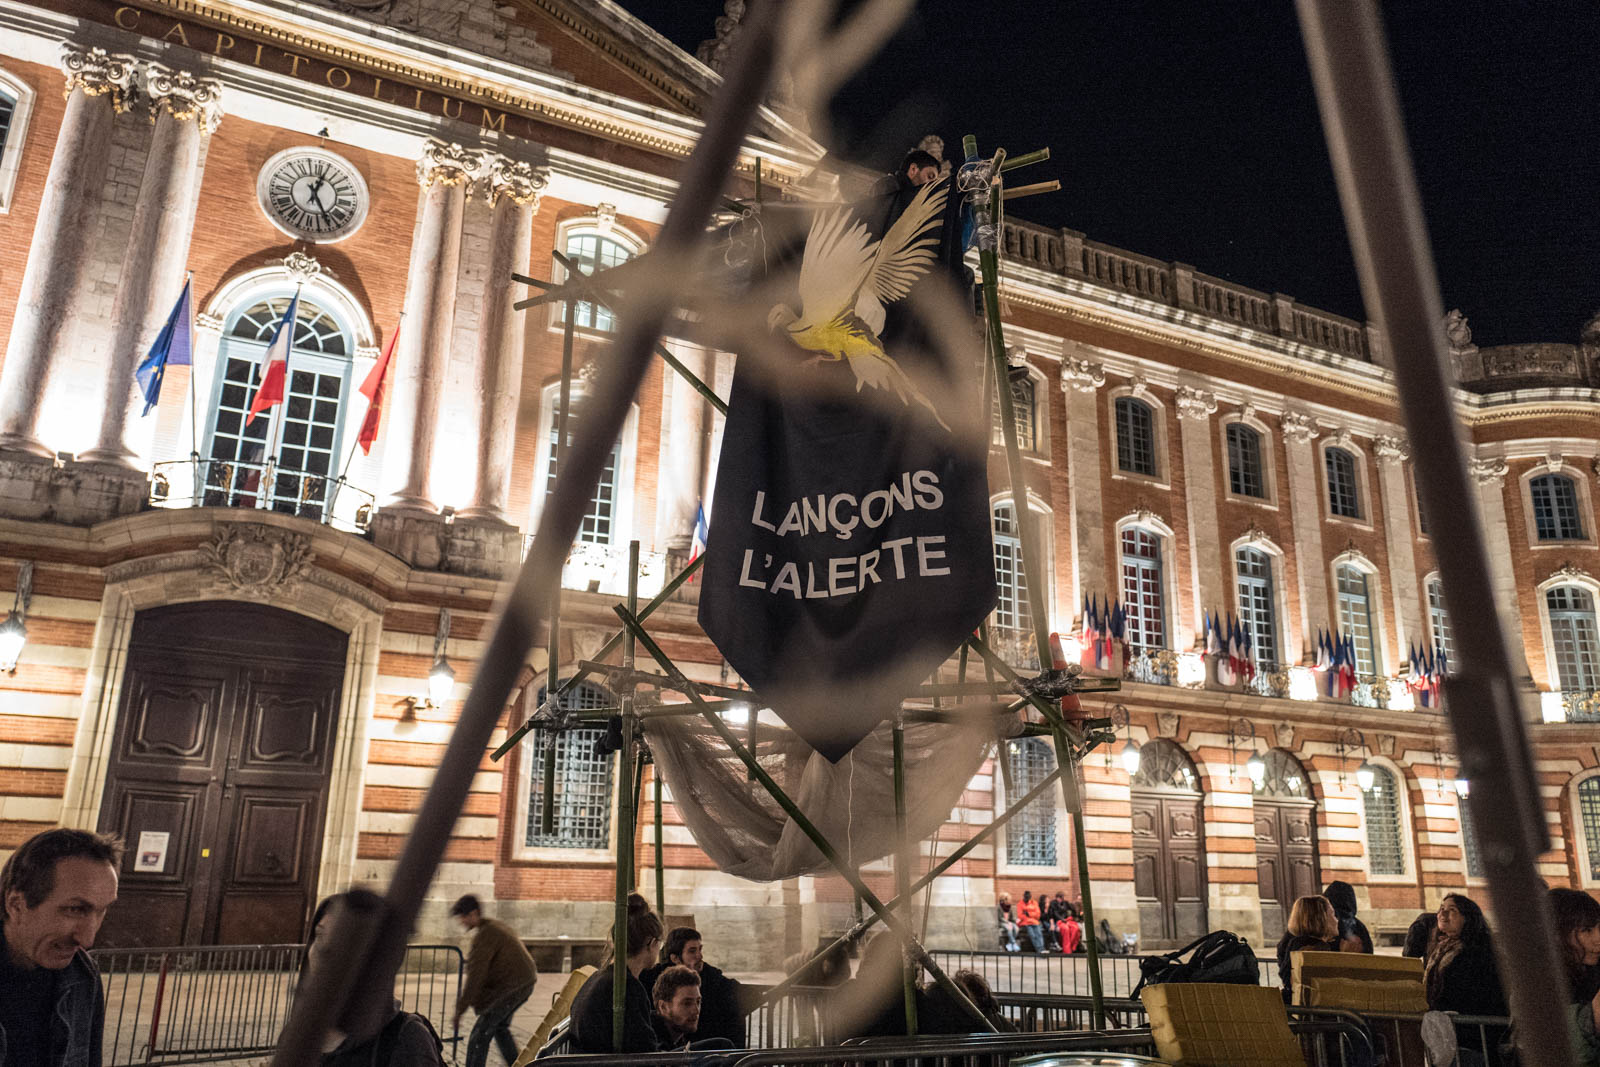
pixel 151 856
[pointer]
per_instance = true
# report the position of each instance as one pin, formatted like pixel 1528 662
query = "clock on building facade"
pixel 313 195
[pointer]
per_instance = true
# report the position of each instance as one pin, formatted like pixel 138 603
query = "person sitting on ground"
pixel 1006 916
pixel 1028 920
pixel 1460 973
pixel 1342 896
pixel 591 1008
pixel 55 889
pixel 1577 917
pixel 1420 935
pixel 1069 932
pixel 872 1004
pixel 1312 926
pixel 399 1038
pixel 500 978
pixel 722 1007
pixel 675 994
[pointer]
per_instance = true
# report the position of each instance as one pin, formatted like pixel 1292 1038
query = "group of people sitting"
pixel 1047 925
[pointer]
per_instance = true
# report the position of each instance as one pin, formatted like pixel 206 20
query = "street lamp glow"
pixel 1366 777
pixel 1256 767
pixel 1462 788
pixel 1130 757
pixel 13 635
pixel 441 682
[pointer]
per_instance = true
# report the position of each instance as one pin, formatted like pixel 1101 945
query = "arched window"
pixel 1386 850
pixel 16 105
pixel 1031 834
pixel 1439 618
pixel 1557 515
pixel 1246 472
pixel 1165 766
pixel 1469 840
pixel 302 435
pixel 1136 437
pixel 1257 613
pixel 1344 492
pixel 1589 819
pixel 1012 611
pixel 1283 777
pixel 1142 597
pixel 1575 638
pixel 8 109
pixel 1355 619
pixel 583 780
pixel 593 252
pixel 1024 413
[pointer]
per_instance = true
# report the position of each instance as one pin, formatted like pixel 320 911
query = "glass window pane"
pixel 1245 476
pixel 1343 495
pixel 1355 620
pixel 1023 412
pixel 583 781
pixel 598 525
pixel 1575 637
pixel 1031 834
pixel 1256 604
pixel 1011 609
pixel 1440 618
pixel 1136 445
pixel 1385 843
pixel 1469 841
pixel 1556 514
pixel 1142 596
pixel 591 253
pixel 1589 811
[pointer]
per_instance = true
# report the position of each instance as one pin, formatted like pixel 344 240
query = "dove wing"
pixel 838 255
pixel 904 255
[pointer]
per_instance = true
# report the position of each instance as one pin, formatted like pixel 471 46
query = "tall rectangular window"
pixel 1031 834
pixel 1011 610
pixel 1142 596
pixel 1136 437
pixel 1246 476
pixel 1469 841
pixel 1556 513
pixel 593 253
pixel 599 521
pixel 1574 634
pixel 1355 619
pixel 582 812
pixel 1440 619
pixel 1344 495
pixel 1256 611
pixel 8 109
pixel 1386 852
pixel 1023 415
pixel 1589 812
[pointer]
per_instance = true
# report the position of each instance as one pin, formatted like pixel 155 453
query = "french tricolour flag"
pixel 270 392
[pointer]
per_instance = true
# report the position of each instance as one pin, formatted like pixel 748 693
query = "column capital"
pixel 1196 403
pixel 98 72
pixel 1391 449
pixel 446 163
pixel 1490 470
pixel 184 96
pixel 521 182
pixel 1297 426
pixel 1081 375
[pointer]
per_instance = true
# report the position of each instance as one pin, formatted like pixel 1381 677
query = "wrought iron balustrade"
pixel 1152 666
pixel 601 568
pixel 1370 693
pixel 217 483
pixel 1271 680
pixel 1581 705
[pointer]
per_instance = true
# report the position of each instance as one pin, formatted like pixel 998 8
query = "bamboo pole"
pixel 626 789
pixel 1388 233
pixel 805 825
pixel 554 692
pixel 661 873
pixel 902 874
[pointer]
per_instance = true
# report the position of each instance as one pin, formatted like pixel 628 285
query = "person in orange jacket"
pixel 1028 920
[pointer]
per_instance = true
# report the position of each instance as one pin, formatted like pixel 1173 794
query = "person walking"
pixel 1028 920
pixel 500 978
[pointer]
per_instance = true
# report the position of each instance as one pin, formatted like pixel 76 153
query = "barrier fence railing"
pixel 224 1002
pixel 1053 972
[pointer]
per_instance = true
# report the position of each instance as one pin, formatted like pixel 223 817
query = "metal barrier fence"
pixel 1054 973
pixel 224 1002
pixel 1397 1037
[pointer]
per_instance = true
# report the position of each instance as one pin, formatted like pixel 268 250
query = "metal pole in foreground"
pixel 902 874
pixel 1383 214
pixel 552 674
pixel 357 978
pixel 625 789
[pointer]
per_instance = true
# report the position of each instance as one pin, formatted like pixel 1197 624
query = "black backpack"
pixel 1217 957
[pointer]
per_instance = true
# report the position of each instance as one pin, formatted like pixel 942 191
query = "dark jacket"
pixel 1343 898
pixel 1470 984
pixel 591 1017
pixel 1288 945
pixel 722 1007
pixel 498 965
pixel 77 1018
pixel 407 1040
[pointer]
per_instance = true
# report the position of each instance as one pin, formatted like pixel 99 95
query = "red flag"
pixel 374 387
pixel 270 392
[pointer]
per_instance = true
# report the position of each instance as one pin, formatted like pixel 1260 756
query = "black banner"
pixel 849 550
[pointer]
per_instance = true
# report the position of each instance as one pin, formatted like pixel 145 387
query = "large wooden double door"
pixel 1286 860
pixel 218 776
pixel 1169 868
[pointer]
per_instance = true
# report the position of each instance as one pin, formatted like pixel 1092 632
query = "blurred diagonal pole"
pixel 1383 213
pixel 361 975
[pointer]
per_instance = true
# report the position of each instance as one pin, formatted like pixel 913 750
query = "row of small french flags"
pixel 1429 665
pixel 1105 633
pixel 174 346
pixel 1228 645
pixel 1336 660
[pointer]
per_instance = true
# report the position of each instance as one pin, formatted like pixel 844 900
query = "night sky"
pixel 1187 130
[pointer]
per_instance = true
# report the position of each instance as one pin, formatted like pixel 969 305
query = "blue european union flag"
pixel 174 345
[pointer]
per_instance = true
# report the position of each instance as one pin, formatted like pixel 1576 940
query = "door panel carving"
pixel 1169 867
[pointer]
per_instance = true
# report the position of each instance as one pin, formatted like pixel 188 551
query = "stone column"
pixel 1305 503
pixel 514 191
pixel 1195 408
pixel 442 172
pixel 683 452
pixel 1080 380
pixel 1392 452
pixel 187 109
pixel 52 280
pixel 1490 474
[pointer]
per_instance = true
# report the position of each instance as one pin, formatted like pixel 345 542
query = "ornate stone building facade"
pixel 231 623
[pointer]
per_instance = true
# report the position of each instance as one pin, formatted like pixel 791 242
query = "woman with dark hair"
pixel 592 1007
pixel 1312 926
pixel 403 1038
pixel 1419 935
pixel 1578 932
pixel 1460 973
pixel 1342 896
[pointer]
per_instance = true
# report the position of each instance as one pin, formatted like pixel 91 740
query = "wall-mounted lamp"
pixel 1351 738
pixel 1128 754
pixel 1243 732
pixel 14 631
pixel 441 677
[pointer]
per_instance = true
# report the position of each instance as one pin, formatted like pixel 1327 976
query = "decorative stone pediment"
pixel 1341 437
pixel 1167 723
pixel 1386 745
pixel 1139 387
pixel 1298 426
pixel 605 217
pixel 1554 461
pixel 1391 449
pixel 301 268
pixel 1081 375
pixel 1570 571
pixel 1284 734
pixel 1196 403
pixel 1255 535
pixel 257 560
pixel 1488 470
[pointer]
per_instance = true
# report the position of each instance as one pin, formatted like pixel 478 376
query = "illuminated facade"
pixel 227 660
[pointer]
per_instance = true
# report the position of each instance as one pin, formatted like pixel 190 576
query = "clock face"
pixel 312 194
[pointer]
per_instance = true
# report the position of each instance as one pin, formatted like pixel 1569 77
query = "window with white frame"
pixel 1136 437
pixel 1469 840
pixel 1574 637
pixel 1024 415
pixel 1386 850
pixel 1257 611
pixel 1589 817
pixel 1011 611
pixel 8 111
pixel 583 780
pixel 1439 619
pixel 302 434
pixel 591 253
pixel 1031 834
pixel 1143 599
pixel 1557 514
pixel 1246 470
pixel 1344 491
pixel 16 105
pixel 600 519
pixel 1355 618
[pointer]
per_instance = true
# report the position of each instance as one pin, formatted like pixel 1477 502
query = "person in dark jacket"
pixel 591 1009
pixel 1312 926
pixel 1460 973
pixel 55 889
pixel 722 999
pixel 675 997
pixel 1343 898
pixel 1420 935
pixel 500 979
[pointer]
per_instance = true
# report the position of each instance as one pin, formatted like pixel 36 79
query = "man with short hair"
pixel 721 1011
pixel 676 999
pixel 56 890
pixel 918 168
pixel 500 977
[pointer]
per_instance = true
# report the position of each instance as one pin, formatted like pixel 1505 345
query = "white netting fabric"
pixel 742 829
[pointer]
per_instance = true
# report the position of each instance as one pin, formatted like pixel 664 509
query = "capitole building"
pixel 227 660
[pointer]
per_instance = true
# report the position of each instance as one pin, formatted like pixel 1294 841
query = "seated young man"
pixel 676 1000
pixel 722 1007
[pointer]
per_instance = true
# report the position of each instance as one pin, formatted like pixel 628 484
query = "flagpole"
pixel 327 512
pixel 194 399
pixel 269 466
